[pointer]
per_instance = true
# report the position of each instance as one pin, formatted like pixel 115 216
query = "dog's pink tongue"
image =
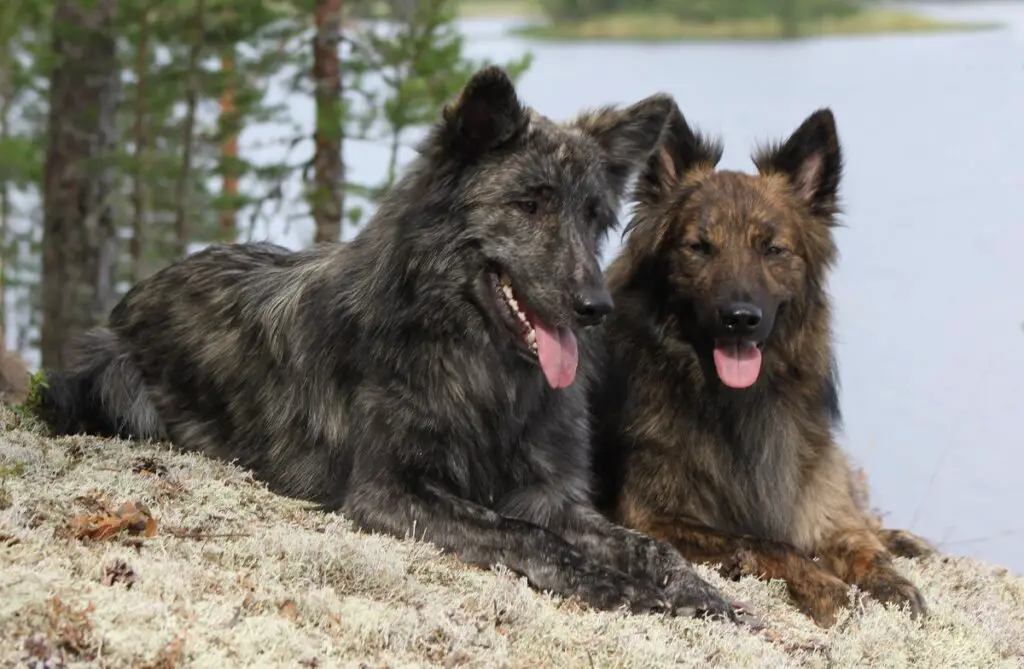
pixel 738 364
pixel 558 354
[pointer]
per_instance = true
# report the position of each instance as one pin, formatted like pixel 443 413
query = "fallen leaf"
pixel 133 517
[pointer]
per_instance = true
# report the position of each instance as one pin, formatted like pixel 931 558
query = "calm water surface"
pixel 930 288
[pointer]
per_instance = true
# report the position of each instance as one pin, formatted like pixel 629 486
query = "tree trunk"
pixel 228 148
pixel 79 232
pixel 328 194
pixel 181 191
pixel 141 144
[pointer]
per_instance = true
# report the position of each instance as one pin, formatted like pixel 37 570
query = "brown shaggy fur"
pixel 749 477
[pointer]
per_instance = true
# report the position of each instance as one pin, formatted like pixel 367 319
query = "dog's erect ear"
pixel 486 114
pixel 681 150
pixel 811 159
pixel 627 134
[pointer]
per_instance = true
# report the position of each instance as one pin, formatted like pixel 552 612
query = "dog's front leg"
pixel 858 556
pixel 480 536
pixel 849 539
pixel 813 589
pixel 644 557
pixel 632 552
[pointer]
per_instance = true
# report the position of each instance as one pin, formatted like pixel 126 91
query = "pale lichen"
pixel 237 576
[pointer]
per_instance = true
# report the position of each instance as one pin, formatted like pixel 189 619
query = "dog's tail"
pixel 99 392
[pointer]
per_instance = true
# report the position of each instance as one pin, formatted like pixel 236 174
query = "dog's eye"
pixel 699 247
pixel 528 206
pixel 774 250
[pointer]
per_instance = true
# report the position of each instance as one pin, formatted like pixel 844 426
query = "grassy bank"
pixel 499 9
pixel 657 28
pixel 647 27
pixel 205 568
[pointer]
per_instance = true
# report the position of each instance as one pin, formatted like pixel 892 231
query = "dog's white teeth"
pixel 529 333
pixel 513 302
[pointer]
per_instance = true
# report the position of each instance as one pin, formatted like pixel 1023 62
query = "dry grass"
pixel 237 577
pixel 652 27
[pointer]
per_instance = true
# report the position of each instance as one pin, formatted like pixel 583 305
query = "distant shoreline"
pixel 499 9
pixel 661 28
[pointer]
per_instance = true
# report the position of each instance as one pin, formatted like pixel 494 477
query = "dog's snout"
pixel 592 305
pixel 740 318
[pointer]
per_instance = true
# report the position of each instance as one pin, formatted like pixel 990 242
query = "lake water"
pixel 930 288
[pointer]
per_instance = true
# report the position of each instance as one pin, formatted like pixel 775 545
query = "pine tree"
pixel 79 230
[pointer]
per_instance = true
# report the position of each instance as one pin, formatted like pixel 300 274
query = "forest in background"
pixel 120 123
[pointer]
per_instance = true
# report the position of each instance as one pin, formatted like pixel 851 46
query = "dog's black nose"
pixel 592 305
pixel 740 318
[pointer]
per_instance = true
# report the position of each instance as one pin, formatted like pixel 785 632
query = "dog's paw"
pixel 815 592
pixel 903 543
pixel 741 563
pixel 889 587
pixel 690 595
pixel 607 588
pixel 820 596
pixel 745 617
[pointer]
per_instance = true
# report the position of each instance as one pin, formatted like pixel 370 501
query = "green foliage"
pixel 21 160
pixel 400 67
pixel 172 31
pixel 705 11
pixel 33 402
pixel 732 10
pixel 575 10
pixel 397 71
pixel 418 65
pixel 25 59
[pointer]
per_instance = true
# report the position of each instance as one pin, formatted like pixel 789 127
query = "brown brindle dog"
pixel 715 416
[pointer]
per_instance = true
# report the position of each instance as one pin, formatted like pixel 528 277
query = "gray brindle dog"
pixel 429 376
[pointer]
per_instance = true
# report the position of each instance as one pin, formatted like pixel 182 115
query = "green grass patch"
pixel 466 9
pixel 37 384
pixel 499 9
pixel 12 471
pixel 666 28
pixel 27 413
